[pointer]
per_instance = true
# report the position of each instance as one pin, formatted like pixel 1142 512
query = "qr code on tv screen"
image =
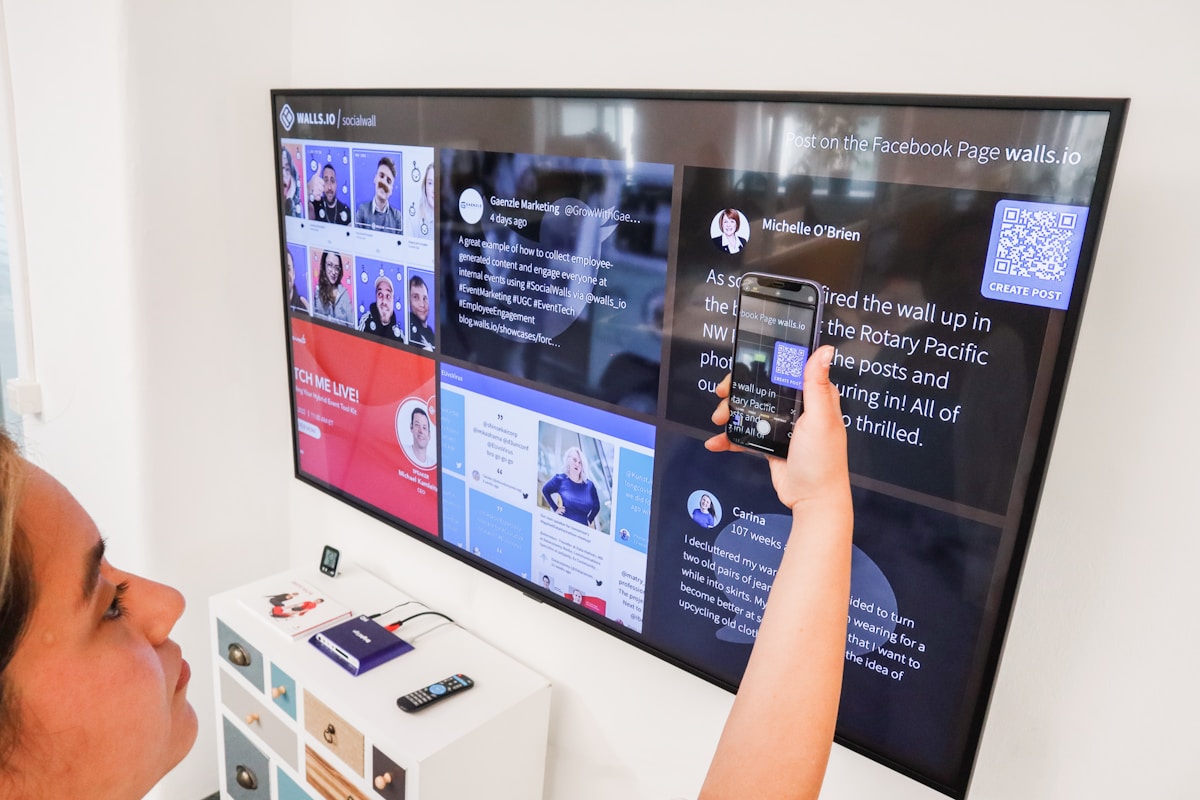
pixel 1033 253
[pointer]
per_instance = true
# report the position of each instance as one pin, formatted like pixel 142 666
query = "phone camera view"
pixel 776 332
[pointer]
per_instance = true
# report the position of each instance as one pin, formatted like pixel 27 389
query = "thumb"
pixel 821 397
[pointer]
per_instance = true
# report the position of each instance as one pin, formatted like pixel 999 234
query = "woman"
pixel 425 211
pixel 703 514
pixel 93 693
pixel 729 221
pixel 333 300
pixel 296 301
pixel 577 497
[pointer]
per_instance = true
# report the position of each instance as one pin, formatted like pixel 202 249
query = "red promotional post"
pixel 366 421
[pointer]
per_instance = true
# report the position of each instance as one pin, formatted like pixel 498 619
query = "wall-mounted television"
pixel 506 312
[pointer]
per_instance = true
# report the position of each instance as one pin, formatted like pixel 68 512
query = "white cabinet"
pixel 293 725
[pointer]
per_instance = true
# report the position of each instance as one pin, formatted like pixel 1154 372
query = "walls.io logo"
pixel 286 118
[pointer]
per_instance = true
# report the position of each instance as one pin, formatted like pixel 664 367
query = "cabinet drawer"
pixel 247 773
pixel 241 655
pixel 326 726
pixel 283 691
pixel 289 789
pixel 329 783
pixel 386 776
pixel 253 711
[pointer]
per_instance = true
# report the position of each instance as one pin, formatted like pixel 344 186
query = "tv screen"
pixel 507 311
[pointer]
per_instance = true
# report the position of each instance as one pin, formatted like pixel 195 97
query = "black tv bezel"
pixel 1117 110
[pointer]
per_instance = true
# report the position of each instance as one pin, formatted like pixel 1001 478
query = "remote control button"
pixel 437 689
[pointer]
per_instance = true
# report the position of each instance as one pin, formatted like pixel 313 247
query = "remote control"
pixel 427 696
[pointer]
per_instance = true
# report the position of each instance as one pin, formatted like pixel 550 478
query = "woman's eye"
pixel 116 609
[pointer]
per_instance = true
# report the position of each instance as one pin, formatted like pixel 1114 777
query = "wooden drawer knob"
pixel 382 781
pixel 251 718
pixel 278 692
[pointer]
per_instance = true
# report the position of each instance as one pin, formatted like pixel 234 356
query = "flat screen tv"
pixel 507 310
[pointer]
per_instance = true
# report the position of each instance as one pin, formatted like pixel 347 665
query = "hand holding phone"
pixel 778 320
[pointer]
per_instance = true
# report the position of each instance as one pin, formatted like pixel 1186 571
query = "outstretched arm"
pixel 777 739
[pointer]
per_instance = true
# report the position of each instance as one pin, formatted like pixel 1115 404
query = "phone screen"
pixel 776 332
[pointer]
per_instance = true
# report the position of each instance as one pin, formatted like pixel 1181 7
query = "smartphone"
pixel 777 322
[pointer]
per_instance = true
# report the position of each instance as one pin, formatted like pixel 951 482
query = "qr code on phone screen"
pixel 787 367
pixel 1033 252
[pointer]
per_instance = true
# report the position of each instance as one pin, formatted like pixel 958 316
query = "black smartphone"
pixel 777 322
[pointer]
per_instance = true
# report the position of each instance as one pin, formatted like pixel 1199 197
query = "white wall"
pixel 159 341
pixel 152 313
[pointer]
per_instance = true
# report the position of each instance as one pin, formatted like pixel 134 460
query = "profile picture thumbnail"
pixel 424 208
pixel 730 230
pixel 290 158
pixel 376 191
pixel 328 181
pixel 297 286
pixel 333 287
pixel 575 475
pixel 381 299
pixel 416 432
pixel 704 508
pixel 420 309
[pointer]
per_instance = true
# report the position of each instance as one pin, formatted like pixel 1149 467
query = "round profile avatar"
pixel 704 509
pixel 416 433
pixel 730 230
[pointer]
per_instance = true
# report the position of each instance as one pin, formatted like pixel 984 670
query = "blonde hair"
pixel 574 450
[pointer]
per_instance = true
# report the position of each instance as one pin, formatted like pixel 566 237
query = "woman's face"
pixel 574 466
pixel 729 226
pixel 429 186
pixel 100 689
pixel 291 271
pixel 705 502
pixel 333 268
